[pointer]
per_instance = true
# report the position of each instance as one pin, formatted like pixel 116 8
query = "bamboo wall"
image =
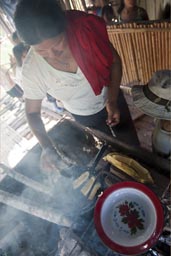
pixel 143 48
pixel 77 5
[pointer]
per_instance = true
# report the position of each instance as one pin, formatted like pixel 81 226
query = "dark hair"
pixel 122 5
pixel 18 51
pixel 37 20
pixel 108 11
pixel 167 12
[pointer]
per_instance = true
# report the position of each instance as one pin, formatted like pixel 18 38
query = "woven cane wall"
pixel 143 48
pixel 77 5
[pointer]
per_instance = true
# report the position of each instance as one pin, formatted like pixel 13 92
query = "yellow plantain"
pixel 80 180
pixel 140 170
pixel 94 191
pixel 130 167
pixel 87 187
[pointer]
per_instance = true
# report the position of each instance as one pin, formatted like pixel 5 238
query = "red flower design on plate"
pixel 131 217
pixel 123 209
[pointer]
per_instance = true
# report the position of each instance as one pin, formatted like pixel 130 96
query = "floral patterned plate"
pixel 129 218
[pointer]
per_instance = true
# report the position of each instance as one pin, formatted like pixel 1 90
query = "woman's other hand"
pixel 113 114
pixel 48 159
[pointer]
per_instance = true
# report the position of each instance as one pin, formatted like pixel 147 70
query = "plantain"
pixel 87 187
pixel 130 167
pixel 80 180
pixel 94 190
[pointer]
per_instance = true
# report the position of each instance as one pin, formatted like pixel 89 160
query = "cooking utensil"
pixel 89 174
pixel 112 131
pixel 129 218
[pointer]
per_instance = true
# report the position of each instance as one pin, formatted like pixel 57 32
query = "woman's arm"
pixel 49 157
pixel 113 89
pixel 144 15
pixel 33 114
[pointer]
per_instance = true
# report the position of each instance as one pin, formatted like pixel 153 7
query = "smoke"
pixel 12 229
pixel 25 235
pixel 23 232
pixel 33 236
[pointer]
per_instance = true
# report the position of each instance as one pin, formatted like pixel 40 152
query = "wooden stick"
pixel 147 55
pixel 162 54
pixel 139 30
pixel 165 46
pixel 159 164
pixel 169 49
pixel 27 206
pixel 138 57
pixel 135 54
pixel 125 78
pixel 143 57
pixel 25 180
pixel 6 240
pixel 158 50
pixel 126 53
pixel 130 55
pixel 154 50
pixel 151 60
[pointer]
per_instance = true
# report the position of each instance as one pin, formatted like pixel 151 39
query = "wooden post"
pixel 160 164
pixel 25 205
pixel 6 240
pixel 25 180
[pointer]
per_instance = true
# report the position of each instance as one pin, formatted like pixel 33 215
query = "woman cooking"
pixel 72 59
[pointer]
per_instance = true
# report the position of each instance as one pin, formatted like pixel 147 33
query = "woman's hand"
pixel 48 159
pixel 113 89
pixel 52 163
pixel 113 114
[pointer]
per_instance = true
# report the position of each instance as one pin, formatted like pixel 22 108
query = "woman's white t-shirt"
pixel 72 89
